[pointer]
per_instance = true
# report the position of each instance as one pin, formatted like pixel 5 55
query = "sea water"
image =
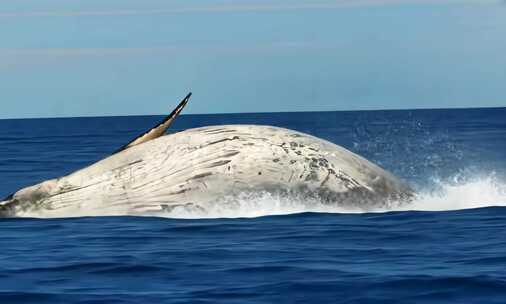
pixel 448 246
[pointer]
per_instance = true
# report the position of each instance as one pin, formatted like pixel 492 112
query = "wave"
pixel 456 193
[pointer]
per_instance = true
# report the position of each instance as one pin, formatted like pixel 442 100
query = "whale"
pixel 197 169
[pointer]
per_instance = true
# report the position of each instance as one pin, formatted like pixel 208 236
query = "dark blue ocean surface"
pixel 449 246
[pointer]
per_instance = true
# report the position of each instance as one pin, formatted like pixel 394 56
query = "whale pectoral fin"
pixel 159 129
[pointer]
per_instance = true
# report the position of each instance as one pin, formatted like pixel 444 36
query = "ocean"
pixel 447 246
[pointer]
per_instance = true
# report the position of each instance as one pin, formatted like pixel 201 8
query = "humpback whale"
pixel 196 168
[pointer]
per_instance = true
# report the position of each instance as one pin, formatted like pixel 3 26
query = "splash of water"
pixel 457 194
pixel 453 194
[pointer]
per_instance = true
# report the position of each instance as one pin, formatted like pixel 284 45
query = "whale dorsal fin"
pixel 160 128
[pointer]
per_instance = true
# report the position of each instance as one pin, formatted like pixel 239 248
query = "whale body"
pixel 156 174
pixel 197 167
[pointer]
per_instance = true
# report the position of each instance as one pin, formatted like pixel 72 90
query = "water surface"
pixel 448 246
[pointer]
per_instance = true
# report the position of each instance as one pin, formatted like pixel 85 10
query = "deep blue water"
pixel 456 159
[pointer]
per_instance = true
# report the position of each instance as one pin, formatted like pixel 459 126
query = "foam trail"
pixel 477 193
pixel 449 195
pixel 249 205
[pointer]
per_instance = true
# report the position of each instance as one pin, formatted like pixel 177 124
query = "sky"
pixel 66 58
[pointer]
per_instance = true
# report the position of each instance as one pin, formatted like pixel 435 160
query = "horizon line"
pixel 274 112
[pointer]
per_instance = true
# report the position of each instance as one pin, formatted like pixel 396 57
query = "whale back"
pixel 198 167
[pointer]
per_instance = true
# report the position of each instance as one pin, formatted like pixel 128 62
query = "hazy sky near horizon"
pixel 109 57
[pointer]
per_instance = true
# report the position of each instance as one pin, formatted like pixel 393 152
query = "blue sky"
pixel 110 57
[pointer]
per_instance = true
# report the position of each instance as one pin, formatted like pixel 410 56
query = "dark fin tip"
pixel 170 117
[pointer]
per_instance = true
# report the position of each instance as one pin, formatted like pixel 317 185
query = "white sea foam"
pixel 477 192
pixel 453 194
